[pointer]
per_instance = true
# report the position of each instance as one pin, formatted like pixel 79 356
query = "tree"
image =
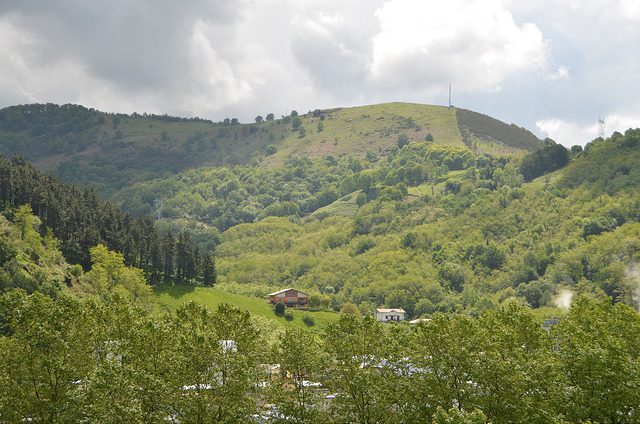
pixel 217 355
pixel 302 360
pixel 359 373
pixel 455 416
pixel 350 309
pixel 549 158
pixel 45 357
pixel 270 117
pixel 271 149
pixel 209 273
pixel 259 119
pixel 109 274
pixel 598 345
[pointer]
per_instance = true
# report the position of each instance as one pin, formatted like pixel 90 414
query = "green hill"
pixel 420 207
pixel 112 151
pixel 466 245
pixel 170 298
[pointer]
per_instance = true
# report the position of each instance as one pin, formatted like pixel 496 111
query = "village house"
pixel 386 315
pixel 290 297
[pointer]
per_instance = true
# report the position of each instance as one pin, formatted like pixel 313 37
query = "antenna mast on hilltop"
pixel 601 126
pixel 450 105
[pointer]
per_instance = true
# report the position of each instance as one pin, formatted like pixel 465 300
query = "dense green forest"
pixel 77 219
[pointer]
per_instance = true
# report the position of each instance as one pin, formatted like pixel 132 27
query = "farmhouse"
pixel 386 315
pixel 290 297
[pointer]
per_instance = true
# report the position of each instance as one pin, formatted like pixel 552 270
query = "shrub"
pixel 279 309
pixel 271 149
pixel 308 321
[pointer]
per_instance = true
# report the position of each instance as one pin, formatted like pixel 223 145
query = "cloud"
pixel 474 44
pixel 561 73
pixel 509 59
pixel 576 133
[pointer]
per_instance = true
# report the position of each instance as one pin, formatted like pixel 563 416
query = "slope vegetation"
pixel 112 151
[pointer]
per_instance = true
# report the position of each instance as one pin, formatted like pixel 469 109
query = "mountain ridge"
pixel 90 147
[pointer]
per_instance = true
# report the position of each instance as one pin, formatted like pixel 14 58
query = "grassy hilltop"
pixel 113 151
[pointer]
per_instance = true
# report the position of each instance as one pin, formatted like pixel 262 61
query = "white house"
pixel 386 315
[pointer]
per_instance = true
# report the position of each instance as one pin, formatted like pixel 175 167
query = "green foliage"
pixel 110 275
pixel 28 260
pixel 456 416
pixel 403 140
pixel 279 309
pixel 350 309
pixel 79 220
pixel 308 320
pixel 607 166
pixel 545 160
pixel 68 360
pixel 483 126
pixel 598 349
pixel 271 149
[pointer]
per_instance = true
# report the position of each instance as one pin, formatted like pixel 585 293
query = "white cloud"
pixel 573 133
pixel 475 44
pixel 213 82
pixel 243 57
pixel 561 73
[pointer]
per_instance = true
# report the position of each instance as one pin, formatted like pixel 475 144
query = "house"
pixel 386 315
pixel 290 297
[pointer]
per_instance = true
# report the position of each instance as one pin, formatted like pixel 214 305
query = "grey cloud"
pixel 138 45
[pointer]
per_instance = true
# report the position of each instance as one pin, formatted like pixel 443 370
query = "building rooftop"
pixel 384 310
pixel 284 290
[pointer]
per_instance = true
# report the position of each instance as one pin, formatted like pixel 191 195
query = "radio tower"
pixel 450 105
pixel 601 127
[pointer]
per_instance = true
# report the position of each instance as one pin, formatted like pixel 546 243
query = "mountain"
pixel 112 151
pixel 461 249
pixel 421 207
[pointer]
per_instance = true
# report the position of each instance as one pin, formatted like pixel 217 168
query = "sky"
pixel 552 66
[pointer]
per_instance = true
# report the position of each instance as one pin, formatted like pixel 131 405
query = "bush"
pixel 279 309
pixel 308 321
pixel 271 149
pixel 288 317
pixel 363 245
pixel 403 140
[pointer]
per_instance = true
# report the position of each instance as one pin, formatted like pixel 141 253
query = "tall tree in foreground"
pixel 599 350
pixel 302 363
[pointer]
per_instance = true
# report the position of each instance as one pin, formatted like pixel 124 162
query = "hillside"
pixel 465 247
pixel 431 213
pixel 171 298
pixel 112 151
